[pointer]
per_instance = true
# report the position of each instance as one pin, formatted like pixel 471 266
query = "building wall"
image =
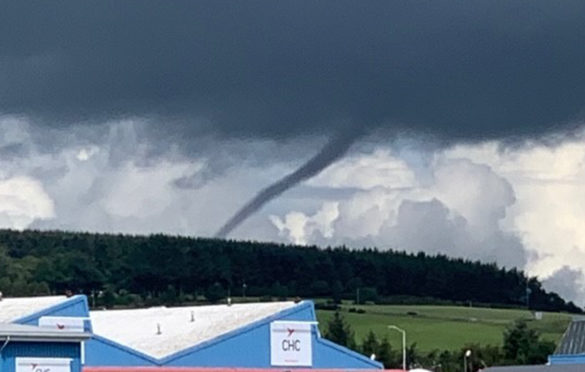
pixel 331 355
pixel 247 347
pixel 40 350
pixel 75 306
pixel 103 352
pixel 567 359
pixel 252 350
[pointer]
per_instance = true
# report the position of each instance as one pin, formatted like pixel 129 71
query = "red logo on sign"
pixel 290 331
pixel 60 326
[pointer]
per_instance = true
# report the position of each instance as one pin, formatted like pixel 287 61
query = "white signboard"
pixel 43 365
pixel 62 323
pixel 291 344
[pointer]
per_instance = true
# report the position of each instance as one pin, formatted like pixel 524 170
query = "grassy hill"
pixel 443 327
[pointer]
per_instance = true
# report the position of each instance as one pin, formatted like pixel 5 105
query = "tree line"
pixel 143 270
pixel 521 345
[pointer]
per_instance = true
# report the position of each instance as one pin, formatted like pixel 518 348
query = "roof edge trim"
pixel 66 303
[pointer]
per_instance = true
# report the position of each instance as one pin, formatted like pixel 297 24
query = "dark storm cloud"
pixel 456 69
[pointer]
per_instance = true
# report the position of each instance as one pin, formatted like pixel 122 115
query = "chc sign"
pixel 43 365
pixel 291 344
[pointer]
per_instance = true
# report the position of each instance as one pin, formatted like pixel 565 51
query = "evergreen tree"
pixel 370 345
pixel 387 356
pixel 336 292
pixel 279 291
pixel 522 345
pixel 108 298
pixel 146 266
pixel 340 332
pixel 412 356
pixel 214 293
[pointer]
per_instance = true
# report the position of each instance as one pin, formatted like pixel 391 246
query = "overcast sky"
pixel 462 123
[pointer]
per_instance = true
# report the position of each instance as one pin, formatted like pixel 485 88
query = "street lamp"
pixel 403 344
pixel 465 356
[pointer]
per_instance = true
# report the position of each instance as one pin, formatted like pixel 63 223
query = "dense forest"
pixel 138 270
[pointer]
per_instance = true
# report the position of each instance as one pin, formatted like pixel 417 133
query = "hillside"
pixel 444 327
pixel 149 270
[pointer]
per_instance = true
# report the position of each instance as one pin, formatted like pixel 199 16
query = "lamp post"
pixel 465 356
pixel 403 344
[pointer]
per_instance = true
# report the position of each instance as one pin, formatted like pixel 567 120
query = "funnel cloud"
pixel 333 150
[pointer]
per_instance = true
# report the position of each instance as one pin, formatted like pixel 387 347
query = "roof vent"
pixel 158 331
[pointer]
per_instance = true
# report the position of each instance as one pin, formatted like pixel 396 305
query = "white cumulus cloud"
pixel 22 201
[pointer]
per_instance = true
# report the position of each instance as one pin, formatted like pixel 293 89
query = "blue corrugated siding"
pixel 41 350
pixel 327 354
pixel 567 359
pixel 248 349
pixel 245 347
pixel 102 352
pixel 252 350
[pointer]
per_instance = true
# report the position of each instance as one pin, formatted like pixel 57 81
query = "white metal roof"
pixel 138 328
pixel 12 309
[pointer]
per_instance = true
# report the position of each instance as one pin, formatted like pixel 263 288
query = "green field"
pixel 443 327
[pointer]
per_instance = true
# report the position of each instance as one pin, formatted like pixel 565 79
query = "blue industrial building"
pixel 26 348
pixel 571 349
pixel 263 335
